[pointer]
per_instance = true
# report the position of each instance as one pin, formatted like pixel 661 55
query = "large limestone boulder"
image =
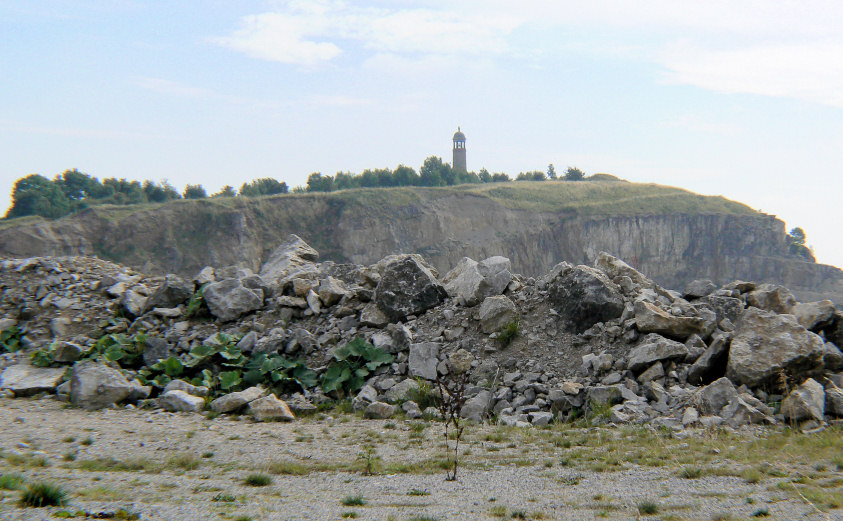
pixel 293 256
pixel 379 411
pixel 814 315
pixel 172 292
pixel 94 385
pixel 271 408
pixel 25 380
pixel 407 288
pixel 806 402
pixel 331 290
pixel 771 297
pixel 234 401
pixel 584 296
pixel 698 288
pixel 474 281
pixel 766 344
pixel 614 268
pixel 495 313
pixel 724 307
pixel 716 395
pixel 651 319
pixel 229 298
pixel 477 407
pixel 655 348
pixel 834 401
pixel 423 360
pixel 177 400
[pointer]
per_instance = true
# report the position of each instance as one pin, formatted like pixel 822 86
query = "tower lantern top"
pixel 458 135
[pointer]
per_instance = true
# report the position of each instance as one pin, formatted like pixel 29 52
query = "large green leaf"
pixel 229 379
pixel 114 352
pixel 253 377
pixel 203 351
pixel 173 367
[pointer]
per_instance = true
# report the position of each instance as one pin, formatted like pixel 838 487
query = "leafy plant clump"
pixel 42 495
pixel 356 500
pixel 11 339
pixel 351 366
pixel 222 366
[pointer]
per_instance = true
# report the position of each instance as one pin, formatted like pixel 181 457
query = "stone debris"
pixel 589 339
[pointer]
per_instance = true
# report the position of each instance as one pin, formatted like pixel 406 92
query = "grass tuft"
pixel 43 495
pixel 258 480
pixel 356 500
pixel 648 508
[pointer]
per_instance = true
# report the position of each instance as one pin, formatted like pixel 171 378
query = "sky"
pixel 741 99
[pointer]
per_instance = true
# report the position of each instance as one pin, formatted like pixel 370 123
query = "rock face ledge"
pixel 672 249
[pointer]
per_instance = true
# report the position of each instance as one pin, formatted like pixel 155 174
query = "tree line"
pixel 73 190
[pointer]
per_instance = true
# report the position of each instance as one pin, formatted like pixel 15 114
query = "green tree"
pixel 500 177
pixel 485 176
pixel 405 176
pixel 160 192
pixel 796 244
pixel 263 186
pixel 345 180
pixel 551 172
pixel 195 192
pixel 37 195
pixel 436 173
pixel 316 182
pixel 226 191
pixel 574 174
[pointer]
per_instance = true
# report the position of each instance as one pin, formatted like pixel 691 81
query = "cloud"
pixel 808 71
pixel 173 88
pixel 309 33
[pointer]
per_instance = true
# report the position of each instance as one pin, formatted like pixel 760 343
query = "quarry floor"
pixel 181 466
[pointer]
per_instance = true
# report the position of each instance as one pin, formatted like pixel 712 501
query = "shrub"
pixel 258 480
pixel 691 472
pixel 42 495
pixel 648 507
pixel 354 501
pixel 508 333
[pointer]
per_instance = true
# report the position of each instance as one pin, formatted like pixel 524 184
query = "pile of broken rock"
pixel 732 355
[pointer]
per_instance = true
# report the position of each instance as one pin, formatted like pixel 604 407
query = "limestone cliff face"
pixel 672 248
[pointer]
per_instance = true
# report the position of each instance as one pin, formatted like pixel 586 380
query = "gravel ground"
pixel 188 467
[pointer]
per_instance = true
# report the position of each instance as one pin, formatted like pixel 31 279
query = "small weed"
pixel 508 333
pixel 69 439
pixel 69 456
pixel 87 441
pixel 648 508
pixel 518 514
pixel 258 480
pixel 207 455
pixel 349 515
pixel 43 494
pixel 751 476
pixel 498 511
pixel 353 501
pixel 10 481
pixel 423 518
pixel 244 518
pixel 418 492
pixel 761 512
pixel 222 497
pixel 184 461
pixel 691 472
pixel 721 516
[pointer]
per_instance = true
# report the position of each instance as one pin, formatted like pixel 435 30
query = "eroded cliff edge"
pixel 670 234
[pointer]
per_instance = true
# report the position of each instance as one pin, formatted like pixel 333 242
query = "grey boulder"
pixel 651 319
pixel 766 344
pixel 25 380
pixel 655 348
pixel 474 281
pixel 233 401
pixel 95 385
pixel 584 296
pixel 292 256
pixel 177 400
pixel 229 298
pixel 172 292
pixel 806 402
pixel 423 360
pixel 771 297
pixel 496 312
pixel 271 408
pixel 407 288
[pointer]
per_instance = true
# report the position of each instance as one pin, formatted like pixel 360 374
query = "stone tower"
pixel 459 152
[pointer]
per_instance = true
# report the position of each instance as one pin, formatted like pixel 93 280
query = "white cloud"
pixel 308 33
pixel 809 71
